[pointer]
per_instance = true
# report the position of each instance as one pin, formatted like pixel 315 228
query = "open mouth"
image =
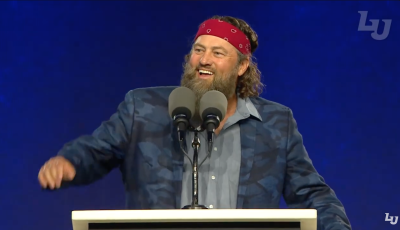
pixel 205 73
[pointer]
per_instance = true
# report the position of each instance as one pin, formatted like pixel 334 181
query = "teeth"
pixel 205 72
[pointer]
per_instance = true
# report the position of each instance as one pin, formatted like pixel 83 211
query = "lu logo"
pixel 374 27
pixel 391 219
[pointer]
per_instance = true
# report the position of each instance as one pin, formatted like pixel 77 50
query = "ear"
pixel 243 66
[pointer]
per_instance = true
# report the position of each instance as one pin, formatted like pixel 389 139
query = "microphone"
pixel 181 108
pixel 213 107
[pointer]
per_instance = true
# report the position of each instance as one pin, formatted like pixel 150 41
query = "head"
pixel 233 72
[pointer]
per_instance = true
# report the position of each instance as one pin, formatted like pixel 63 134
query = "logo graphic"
pixel 395 218
pixel 374 27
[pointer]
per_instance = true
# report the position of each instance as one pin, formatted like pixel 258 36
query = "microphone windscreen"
pixel 182 100
pixel 215 103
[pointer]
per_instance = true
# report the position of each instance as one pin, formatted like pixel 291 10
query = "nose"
pixel 206 59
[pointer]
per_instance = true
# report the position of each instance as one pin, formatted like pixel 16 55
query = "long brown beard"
pixel 226 84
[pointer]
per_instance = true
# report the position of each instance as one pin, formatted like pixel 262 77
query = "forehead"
pixel 210 41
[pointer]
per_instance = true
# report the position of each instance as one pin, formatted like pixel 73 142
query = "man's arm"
pixel 93 156
pixel 305 188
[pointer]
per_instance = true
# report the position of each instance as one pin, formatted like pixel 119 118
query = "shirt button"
pixel 215 148
pixel 213 177
pixel 211 206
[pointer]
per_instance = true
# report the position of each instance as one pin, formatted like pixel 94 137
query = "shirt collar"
pixel 246 107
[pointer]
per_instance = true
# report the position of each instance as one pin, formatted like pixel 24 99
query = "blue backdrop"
pixel 65 67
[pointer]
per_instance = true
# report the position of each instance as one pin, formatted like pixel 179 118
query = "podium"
pixel 199 219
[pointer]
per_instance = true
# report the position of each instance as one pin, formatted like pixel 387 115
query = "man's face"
pixel 212 65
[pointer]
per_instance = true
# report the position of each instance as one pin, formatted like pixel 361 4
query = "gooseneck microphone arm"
pixel 195 174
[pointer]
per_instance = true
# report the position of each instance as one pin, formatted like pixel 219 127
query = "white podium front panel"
pixel 182 219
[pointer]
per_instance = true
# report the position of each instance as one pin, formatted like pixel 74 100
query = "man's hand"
pixel 54 171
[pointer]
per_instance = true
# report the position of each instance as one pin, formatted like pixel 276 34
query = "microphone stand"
pixel 195 174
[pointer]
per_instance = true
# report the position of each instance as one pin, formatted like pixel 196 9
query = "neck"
pixel 232 104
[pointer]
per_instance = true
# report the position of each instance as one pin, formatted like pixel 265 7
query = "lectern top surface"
pixel 183 219
pixel 196 215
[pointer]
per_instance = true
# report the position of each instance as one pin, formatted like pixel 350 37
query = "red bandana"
pixel 225 31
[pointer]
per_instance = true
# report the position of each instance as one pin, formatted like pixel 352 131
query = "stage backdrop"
pixel 65 67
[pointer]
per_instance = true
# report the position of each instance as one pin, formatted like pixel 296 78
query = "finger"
pixel 49 178
pixel 54 172
pixel 59 177
pixel 42 178
pixel 69 173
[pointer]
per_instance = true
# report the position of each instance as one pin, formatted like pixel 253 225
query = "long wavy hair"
pixel 249 84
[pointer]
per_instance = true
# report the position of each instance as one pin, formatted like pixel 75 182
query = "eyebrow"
pixel 213 47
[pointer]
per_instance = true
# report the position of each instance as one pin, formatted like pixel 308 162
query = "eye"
pixel 218 53
pixel 197 50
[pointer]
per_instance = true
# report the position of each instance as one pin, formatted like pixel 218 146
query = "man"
pixel 258 153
